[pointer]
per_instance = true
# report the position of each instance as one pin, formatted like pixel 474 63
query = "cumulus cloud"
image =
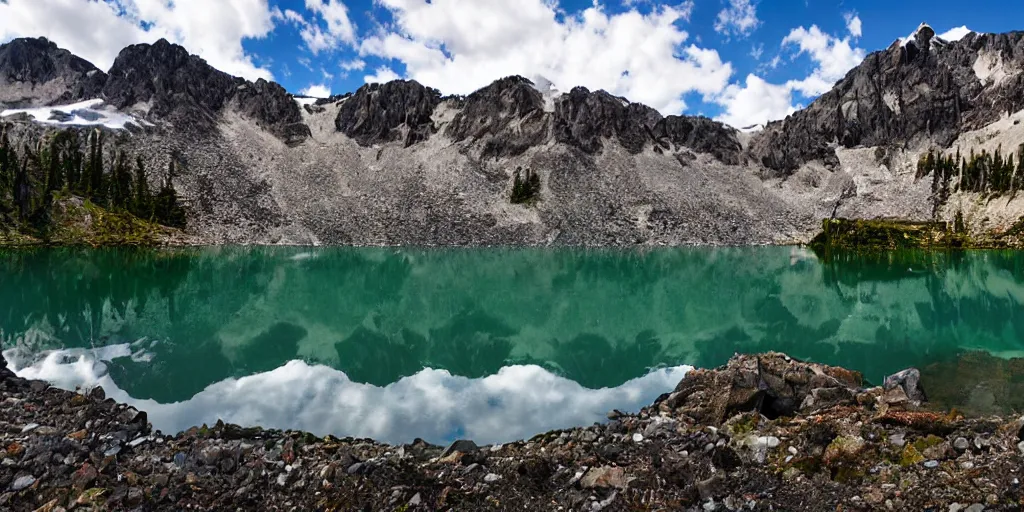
pixel 316 91
pixel 328 27
pixel 98 29
pixel 739 18
pixel 515 403
pixel 353 65
pixel 459 46
pixel 832 56
pixel 382 75
pixel 757 101
pixel 853 24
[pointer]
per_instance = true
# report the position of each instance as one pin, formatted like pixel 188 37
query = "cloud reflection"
pixel 515 403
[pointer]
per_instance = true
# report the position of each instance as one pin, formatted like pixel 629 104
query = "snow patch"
pixel 85 113
pixel 548 91
pixel 754 128
pixel 304 101
pixel 989 68
pixel 892 101
pixel 949 36
pixel 516 403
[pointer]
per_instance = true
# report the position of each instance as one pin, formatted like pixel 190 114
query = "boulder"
pixel 909 382
pixel 771 384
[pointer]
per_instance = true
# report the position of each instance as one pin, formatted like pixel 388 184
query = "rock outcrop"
pixel 37 72
pixel 400 109
pixel 508 114
pixel 166 82
pixel 583 119
pixel 925 91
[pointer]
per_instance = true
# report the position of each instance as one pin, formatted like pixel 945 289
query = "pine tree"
pixel 96 168
pixel 143 203
pixel 22 198
pixel 120 183
pixel 166 209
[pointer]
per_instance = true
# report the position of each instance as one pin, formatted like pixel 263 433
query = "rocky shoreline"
pixel 763 432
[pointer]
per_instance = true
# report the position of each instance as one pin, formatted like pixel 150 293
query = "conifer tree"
pixel 143 202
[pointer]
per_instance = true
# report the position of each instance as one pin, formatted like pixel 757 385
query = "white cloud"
pixel 353 65
pixel 853 24
pixel 97 30
pixel 382 75
pixel 955 34
pixel 316 91
pixel 459 46
pixel 431 404
pixel 757 51
pixel 832 56
pixel 739 18
pixel 340 28
pixel 756 102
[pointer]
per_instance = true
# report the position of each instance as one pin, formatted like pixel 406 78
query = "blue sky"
pixel 741 61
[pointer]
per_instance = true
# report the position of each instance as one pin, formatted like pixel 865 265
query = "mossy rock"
pixel 910 456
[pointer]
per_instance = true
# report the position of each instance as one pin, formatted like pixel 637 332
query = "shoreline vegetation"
pixel 55 193
pixel 763 432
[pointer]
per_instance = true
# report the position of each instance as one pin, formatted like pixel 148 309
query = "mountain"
pixel 399 163
pixel 924 91
pixel 36 72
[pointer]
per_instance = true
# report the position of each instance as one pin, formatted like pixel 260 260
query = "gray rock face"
pixel 27 66
pixel 582 118
pixel 699 134
pixel 929 90
pixel 186 90
pixel 381 112
pixel 509 113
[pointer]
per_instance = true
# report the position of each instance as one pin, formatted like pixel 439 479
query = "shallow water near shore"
pixel 490 344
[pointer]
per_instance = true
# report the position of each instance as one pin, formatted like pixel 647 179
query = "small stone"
pixel 638 437
pixel 1020 446
pixel 931 464
pixel 588 437
pixel 461 446
pixel 282 479
pixel 355 468
pixel 78 435
pixel 792 450
pixel 961 443
pixel 84 477
pixel 22 483
pixel 605 476
pixel 491 478
pixel 897 440
pixel 416 500
pixel 977 507
pixel 97 393
pixel 29 427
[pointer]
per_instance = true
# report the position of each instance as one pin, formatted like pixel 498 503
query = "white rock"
pixel 638 437
pixel 491 477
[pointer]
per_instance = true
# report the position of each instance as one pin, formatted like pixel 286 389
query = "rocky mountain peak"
pixel 510 111
pixel 903 94
pixel 35 71
pixel 169 83
pixel 385 112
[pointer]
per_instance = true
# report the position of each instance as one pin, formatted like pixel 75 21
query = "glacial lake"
pixel 489 344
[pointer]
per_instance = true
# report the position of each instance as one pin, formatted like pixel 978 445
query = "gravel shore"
pixel 763 432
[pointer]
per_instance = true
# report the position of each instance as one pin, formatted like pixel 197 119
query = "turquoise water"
pixel 373 330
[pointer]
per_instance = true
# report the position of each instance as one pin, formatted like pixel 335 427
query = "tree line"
pixel 986 173
pixel 31 179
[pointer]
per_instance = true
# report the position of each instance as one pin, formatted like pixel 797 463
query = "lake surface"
pixel 492 344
